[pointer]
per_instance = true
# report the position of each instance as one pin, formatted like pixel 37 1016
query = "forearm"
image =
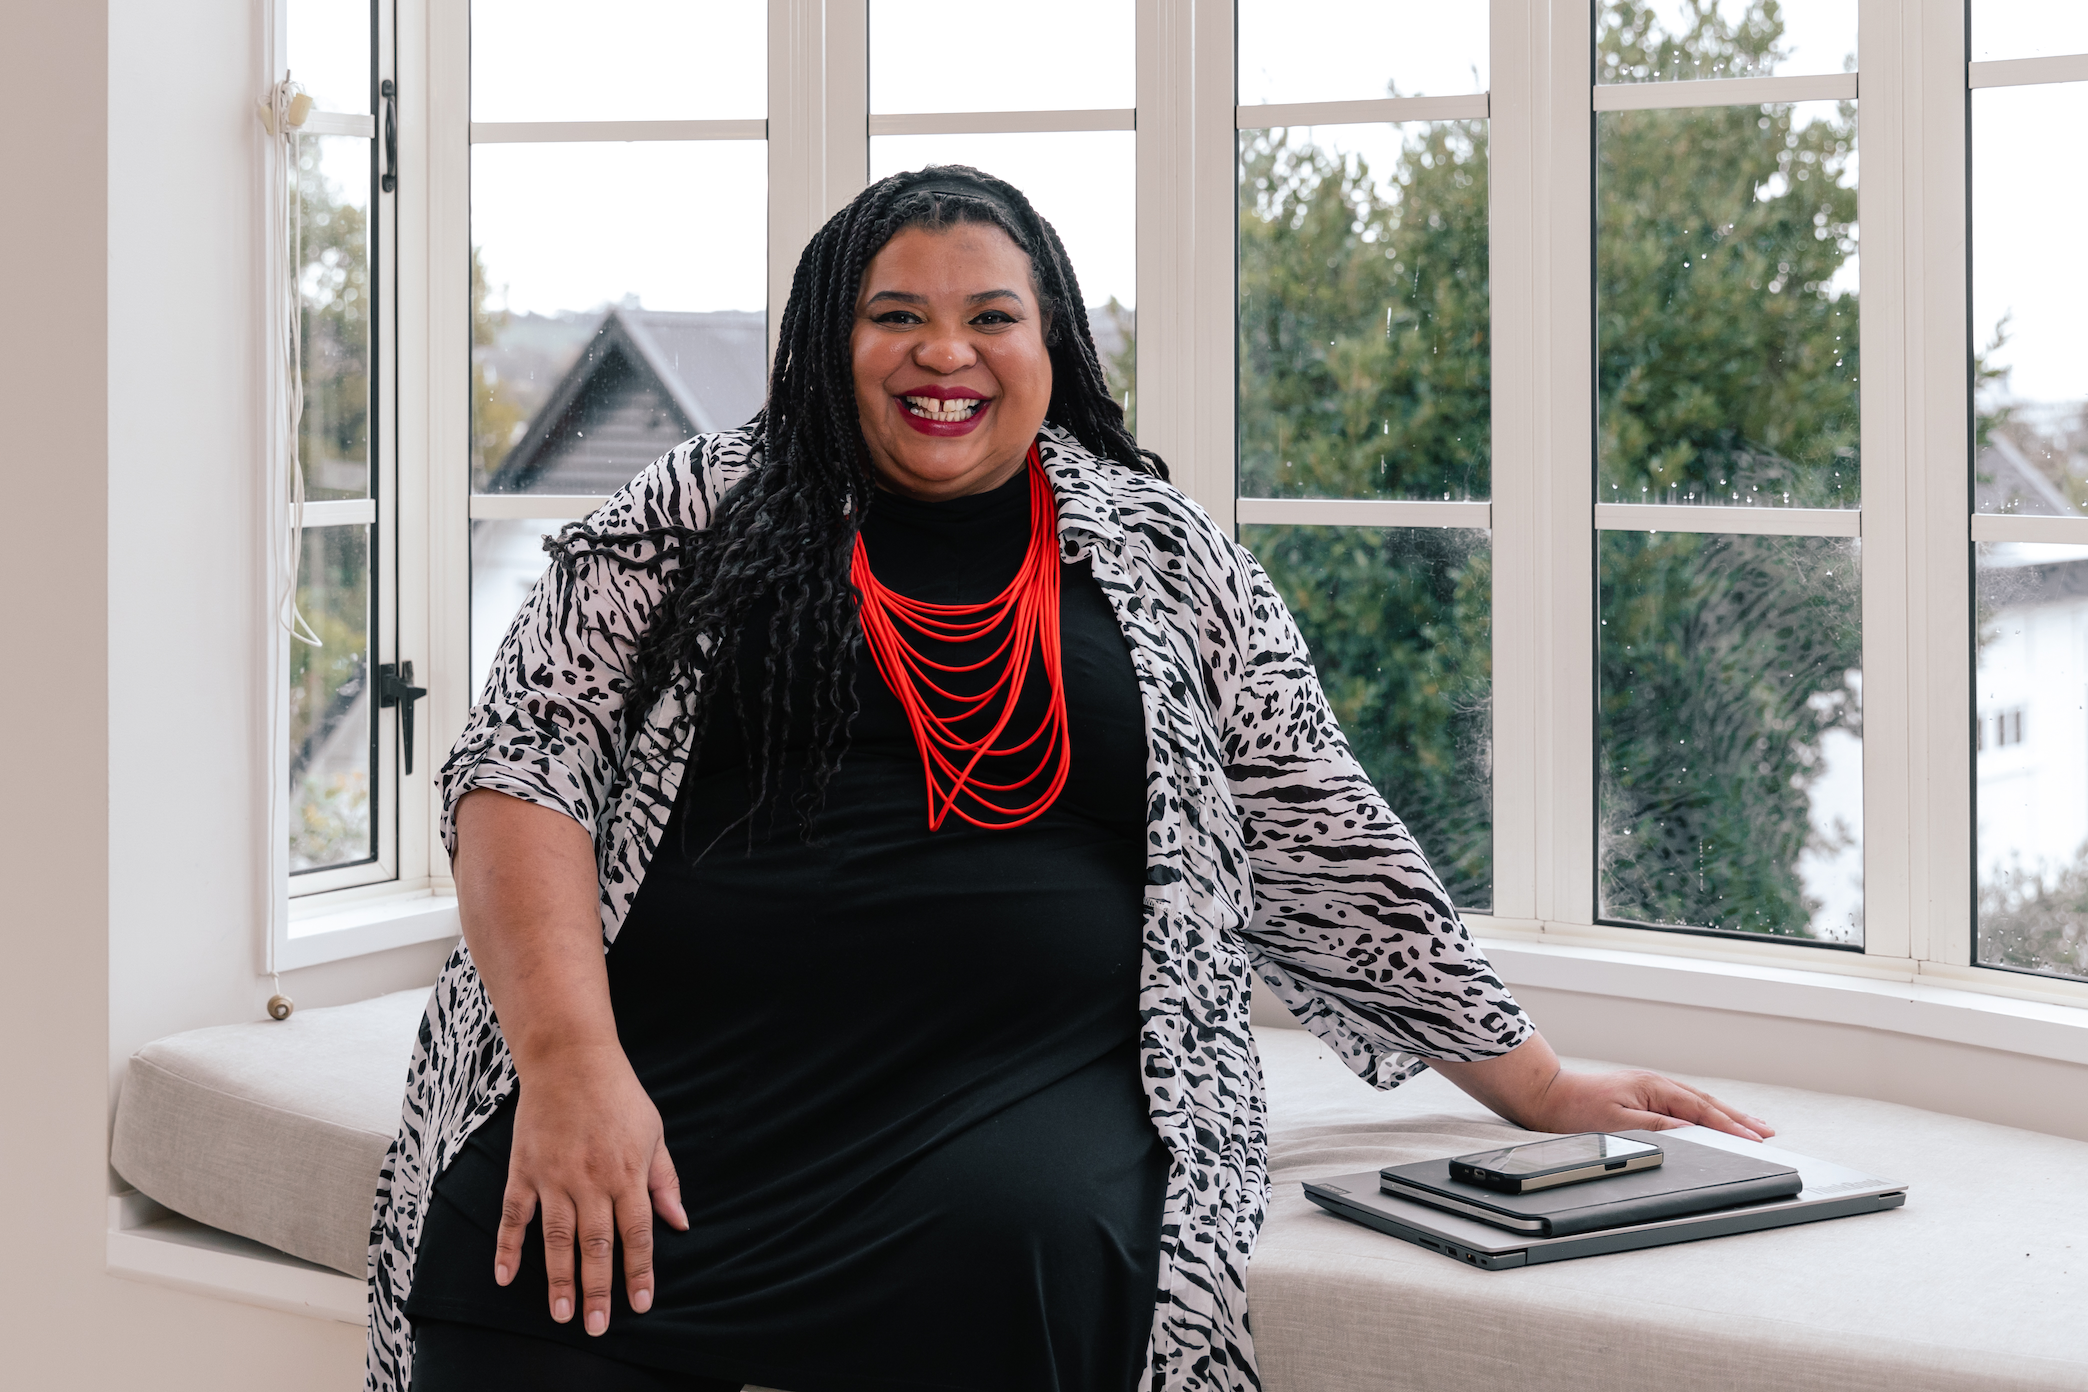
pixel 1516 1085
pixel 528 898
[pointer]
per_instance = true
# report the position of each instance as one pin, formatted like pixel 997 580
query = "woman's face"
pixel 951 375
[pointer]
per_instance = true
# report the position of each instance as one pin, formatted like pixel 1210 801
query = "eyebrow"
pixel 906 297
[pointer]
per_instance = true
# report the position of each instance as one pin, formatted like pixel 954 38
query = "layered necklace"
pixel 965 738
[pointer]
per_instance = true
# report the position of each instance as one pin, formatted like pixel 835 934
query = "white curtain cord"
pixel 284 112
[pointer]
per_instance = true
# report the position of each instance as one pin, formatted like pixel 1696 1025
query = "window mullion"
pixel 435 443
pixel 1938 587
pixel 1886 322
pixel 1560 532
pixel 818 127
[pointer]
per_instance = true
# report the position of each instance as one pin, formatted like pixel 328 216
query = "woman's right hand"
pixel 590 1156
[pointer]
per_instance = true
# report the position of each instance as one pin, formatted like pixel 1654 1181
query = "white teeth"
pixel 957 409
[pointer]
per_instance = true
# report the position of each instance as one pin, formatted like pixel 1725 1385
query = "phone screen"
pixel 1552 1155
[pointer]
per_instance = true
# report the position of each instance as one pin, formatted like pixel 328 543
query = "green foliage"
pixel 1724 663
pixel 335 301
pixel 1400 623
pixel 1728 365
pixel 1364 345
pixel 1727 362
pixel 1364 372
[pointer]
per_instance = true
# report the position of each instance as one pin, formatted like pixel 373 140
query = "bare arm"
pixel 589 1149
pixel 1528 1087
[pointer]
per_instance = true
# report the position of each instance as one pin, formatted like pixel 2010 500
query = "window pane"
pixel 507 556
pixel 333 437
pixel 2027 28
pixel 1730 719
pixel 2029 301
pixel 1359 50
pixel 1399 621
pixel 1726 306
pixel 620 60
pixel 2032 741
pixel 1364 317
pixel 1083 184
pixel 614 317
pixel 329 52
pixel 1078 55
pixel 1684 40
pixel 331 722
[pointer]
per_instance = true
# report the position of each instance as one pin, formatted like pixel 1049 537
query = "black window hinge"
pixel 395 688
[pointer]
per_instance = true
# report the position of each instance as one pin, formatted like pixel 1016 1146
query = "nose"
pixel 945 351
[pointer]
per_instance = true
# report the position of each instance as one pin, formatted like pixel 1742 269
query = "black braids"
pixel 787 529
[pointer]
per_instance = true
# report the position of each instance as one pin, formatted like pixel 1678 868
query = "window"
pixel 1728 469
pixel 343 776
pixel 619 262
pixel 2029 489
pixel 1683 586
pixel 1058 124
pixel 1365 397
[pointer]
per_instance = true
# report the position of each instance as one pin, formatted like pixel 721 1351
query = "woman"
pixel 923 1025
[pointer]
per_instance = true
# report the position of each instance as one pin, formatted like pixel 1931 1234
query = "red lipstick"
pixel 945 416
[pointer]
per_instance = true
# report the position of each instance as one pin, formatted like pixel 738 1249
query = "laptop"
pixel 1831 1191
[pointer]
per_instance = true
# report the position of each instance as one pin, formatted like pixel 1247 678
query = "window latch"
pixel 395 688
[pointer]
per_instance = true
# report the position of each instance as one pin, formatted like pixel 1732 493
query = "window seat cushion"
pixel 273 1130
pixel 1979 1282
pixel 276 1132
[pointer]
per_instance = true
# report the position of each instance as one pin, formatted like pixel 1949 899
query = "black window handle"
pixel 390 181
pixel 395 688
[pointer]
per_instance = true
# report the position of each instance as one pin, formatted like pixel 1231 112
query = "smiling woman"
pixel 982 1103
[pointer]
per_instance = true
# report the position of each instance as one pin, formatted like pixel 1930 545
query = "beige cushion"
pixel 274 1131
pixel 1981 1281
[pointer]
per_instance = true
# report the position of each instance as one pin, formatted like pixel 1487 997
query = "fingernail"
pixel 641 1300
pixel 561 1309
pixel 500 1273
pixel 597 1321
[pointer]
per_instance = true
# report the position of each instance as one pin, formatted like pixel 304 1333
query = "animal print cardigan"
pixel 1268 849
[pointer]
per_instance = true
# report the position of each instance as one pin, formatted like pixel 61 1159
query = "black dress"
pixel 898 1068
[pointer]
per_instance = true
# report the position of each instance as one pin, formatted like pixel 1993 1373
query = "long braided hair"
pixel 787 530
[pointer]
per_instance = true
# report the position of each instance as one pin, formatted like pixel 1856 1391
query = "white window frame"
pixel 324 915
pixel 1914 519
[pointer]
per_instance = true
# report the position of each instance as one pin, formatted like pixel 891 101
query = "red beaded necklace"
pixel 1029 608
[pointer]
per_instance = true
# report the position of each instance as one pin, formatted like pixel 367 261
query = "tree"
pixel 1728 365
pixel 1364 371
pixel 330 809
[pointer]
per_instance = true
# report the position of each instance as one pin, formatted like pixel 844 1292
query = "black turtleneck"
pixel 898 1068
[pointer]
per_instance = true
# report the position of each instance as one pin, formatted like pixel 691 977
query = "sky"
pixel 568 228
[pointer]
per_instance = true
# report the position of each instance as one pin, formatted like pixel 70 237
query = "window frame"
pixel 1915 419
pixel 387 901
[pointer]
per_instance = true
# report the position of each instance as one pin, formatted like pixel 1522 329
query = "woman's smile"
pixel 935 410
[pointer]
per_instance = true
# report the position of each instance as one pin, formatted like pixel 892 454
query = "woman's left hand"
pixel 1528 1087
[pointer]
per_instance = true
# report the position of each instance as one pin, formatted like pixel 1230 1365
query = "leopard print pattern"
pixel 1268 851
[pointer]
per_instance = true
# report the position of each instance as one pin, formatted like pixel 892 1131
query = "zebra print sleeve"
pixel 1352 930
pixel 548 728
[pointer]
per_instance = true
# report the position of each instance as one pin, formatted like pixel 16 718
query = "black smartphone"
pixel 1547 1164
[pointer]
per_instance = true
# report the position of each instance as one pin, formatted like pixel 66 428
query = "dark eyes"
pixel 985 318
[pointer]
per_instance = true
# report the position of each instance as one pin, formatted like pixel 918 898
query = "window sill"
pixel 155 1245
pixel 326 929
pixel 2040 1028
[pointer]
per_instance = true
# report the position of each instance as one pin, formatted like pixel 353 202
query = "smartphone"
pixel 1547 1164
